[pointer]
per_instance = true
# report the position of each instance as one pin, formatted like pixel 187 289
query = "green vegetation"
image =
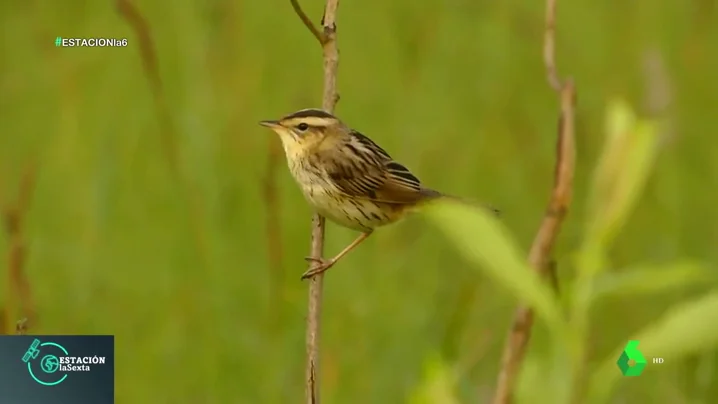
pixel 684 330
pixel 178 268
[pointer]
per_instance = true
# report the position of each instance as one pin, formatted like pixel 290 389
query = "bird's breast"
pixel 354 213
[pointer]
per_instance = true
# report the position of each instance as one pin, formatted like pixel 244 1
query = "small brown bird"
pixel 345 176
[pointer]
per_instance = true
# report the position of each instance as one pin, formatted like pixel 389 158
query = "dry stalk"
pixel 327 40
pixel 18 284
pixel 541 249
pixel 148 55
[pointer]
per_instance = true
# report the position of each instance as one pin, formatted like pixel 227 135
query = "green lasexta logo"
pixel 49 364
pixel 631 362
pixel 55 362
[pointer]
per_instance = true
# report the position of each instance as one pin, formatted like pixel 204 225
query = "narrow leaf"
pixel 629 152
pixel 483 241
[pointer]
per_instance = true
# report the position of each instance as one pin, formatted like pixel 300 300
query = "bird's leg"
pixel 323 264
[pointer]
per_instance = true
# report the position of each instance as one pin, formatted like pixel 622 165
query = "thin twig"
pixel 549 46
pixel 314 313
pixel 541 250
pixel 330 97
pixel 307 22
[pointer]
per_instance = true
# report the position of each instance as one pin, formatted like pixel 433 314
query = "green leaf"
pixel 686 329
pixel 620 119
pixel 648 279
pixel 483 240
pixel 438 384
pixel 629 153
pixel 623 169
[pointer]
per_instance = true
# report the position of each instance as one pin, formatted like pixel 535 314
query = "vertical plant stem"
pixel 327 38
pixel 20 299
pixel 542 247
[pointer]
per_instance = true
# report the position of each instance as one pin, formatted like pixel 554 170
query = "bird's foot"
pixel 321 265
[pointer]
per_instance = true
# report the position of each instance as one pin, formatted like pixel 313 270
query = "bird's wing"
pixel 364 170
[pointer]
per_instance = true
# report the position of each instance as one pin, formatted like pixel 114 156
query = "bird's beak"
pixel 270 124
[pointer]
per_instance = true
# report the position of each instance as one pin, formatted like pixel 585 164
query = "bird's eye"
pixel 302 126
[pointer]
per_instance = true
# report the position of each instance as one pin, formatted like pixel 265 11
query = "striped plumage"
pixel 357 184
pixel 345 176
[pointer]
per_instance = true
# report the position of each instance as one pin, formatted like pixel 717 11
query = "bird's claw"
pixel 321 265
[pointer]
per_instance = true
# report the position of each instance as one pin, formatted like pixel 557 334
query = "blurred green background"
pixel 179 268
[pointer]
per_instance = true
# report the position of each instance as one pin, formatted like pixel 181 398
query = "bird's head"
pixel 306 129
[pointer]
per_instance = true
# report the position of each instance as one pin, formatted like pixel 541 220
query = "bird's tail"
pixel 432 195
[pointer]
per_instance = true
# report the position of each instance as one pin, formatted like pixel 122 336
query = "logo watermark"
pixel 55 363
pixel 90 42
pixel 632 362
